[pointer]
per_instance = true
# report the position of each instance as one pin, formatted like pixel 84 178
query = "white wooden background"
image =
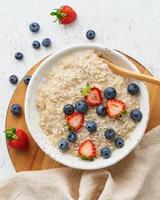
pixel 130 26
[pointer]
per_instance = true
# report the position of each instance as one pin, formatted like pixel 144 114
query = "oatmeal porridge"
pixel 84 108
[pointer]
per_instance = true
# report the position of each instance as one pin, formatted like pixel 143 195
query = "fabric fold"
pixel 136 177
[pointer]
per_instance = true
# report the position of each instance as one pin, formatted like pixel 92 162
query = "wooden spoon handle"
pixel 128 73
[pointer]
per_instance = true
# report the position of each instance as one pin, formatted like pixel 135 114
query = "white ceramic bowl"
pixel 32 115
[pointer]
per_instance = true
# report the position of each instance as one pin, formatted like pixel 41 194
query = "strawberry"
pixel 92 95
pixel 115 107
pixel 75 121
pixel 65 15
pixel 87 150
pixel 16 138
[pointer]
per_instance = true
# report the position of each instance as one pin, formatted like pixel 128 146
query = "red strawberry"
pixel 115 107
pixel 92 95
pixel 94 98
pixel 75 121
pixel 65 15
pixel 16 138
pixel 87 150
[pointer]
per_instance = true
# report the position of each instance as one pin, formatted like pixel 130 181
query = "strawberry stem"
pixel 58 14
pixel 89 159
pixel 86 90
pixel 11 134
pixel 122 114
pixel 69 127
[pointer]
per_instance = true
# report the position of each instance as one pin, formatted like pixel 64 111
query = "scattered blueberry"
pixel 136 115
pixel 72 137
pixel 110 134
pixel 36 44
pixel 16 109
pixel 101 110
pixel 46 42
pixel 90 34
pixel 18 55
pixel 119 142
pixel 105 152
pixel 63 144
pixel 13 79
pixel 110 93
pixel 26 79
pixel 133 89
pixel 81 106
pixel 68 109
pixel 91 126
pixel 34 27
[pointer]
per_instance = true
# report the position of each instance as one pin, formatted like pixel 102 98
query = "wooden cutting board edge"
pixel 34 158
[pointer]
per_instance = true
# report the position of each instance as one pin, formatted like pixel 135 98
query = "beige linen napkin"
pixel 137 177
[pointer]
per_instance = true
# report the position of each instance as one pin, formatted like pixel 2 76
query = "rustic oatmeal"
pixel 64 86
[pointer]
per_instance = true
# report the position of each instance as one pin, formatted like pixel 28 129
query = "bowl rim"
pixel 44 148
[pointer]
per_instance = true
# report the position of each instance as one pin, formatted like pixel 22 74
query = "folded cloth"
pixel 136 177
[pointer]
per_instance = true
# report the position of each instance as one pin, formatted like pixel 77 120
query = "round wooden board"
pixel 34 158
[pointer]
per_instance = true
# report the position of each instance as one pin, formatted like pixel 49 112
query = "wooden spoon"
pixel 128 73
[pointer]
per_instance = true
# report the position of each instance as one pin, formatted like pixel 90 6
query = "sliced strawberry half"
pixel 115 107
pixel 87 150
pixel 75 120
pixel 94 97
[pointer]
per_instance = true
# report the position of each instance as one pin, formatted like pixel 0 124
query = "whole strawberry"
pixel 16 138
pixel 65 15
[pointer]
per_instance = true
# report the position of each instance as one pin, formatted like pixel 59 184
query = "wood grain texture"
pixel 34 158
pixel 128 73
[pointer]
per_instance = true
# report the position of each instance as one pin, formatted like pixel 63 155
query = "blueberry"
pixel 27 79
pixel 13 79
pixel 68 109
pixel 136 115
pixel 91 126
pixel 90 34
pixel 110 134
pixel 105 152
pixel 110 93
pixel 101 110
pixel 36 44
pixel 72 137
pixel 133 89
pixel 34 27
pixel 63 145
pixel 81 106
pixel 16 109
pixel 18 55
pixel 119 142
pixel 46 42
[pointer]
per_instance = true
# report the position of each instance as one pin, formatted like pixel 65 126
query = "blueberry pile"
pixel 46 42
pixel 63 144
pixel 110 134
pixel 82 106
